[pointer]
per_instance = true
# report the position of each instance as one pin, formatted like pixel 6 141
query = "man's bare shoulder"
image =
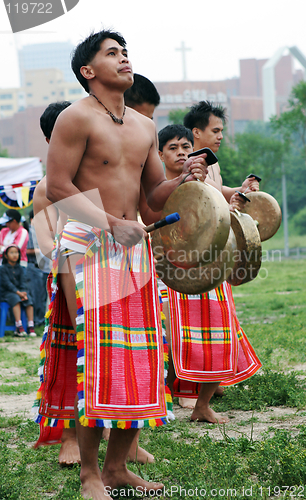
pixel 78 112
pixel 144 120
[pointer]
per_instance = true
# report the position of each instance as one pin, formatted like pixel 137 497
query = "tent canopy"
pixel 19 170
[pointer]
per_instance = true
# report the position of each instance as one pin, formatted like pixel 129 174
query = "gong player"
pixel 207 320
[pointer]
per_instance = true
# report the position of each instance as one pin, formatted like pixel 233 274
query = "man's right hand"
pixel 197 166
pixel 236 203
pixel 128 232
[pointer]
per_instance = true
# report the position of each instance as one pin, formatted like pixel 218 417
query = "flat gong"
pixel 264 209
pixel 247 258
pixel 202 231
pixel 200 279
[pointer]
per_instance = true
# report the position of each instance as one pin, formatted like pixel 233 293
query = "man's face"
pixel 175 153
pixel 211 136
pixel 111 65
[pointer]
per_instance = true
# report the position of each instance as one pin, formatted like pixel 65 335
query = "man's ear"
pixel 87 72
pixel 196 133
pixel 161 155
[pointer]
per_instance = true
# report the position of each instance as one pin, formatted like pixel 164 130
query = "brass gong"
pixel 264 209
pixel 202 231
pixel 200 279
pixel 247 259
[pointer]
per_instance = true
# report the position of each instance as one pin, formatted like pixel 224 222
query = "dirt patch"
pixel 28 346
pixel 21 405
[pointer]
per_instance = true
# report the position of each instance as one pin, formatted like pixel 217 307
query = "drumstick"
pixel 169 219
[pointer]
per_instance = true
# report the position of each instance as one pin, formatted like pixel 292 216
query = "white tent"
pixel 19 170
pixel 18 178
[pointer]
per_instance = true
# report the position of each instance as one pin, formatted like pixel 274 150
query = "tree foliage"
pixel 3 152
pixel 176 116
pixel 291 124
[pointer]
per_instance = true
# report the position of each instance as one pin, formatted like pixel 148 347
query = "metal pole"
pixel 285 212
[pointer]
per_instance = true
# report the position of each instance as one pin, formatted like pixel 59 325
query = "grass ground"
pixel 260 454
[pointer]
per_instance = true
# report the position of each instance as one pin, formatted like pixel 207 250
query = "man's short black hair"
pixel 171 132
pixel 142 91
pixel 49 116
pixel 84 53
pixel 199 114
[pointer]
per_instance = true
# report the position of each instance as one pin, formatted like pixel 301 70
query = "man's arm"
pixel 250 184
pixel 147 215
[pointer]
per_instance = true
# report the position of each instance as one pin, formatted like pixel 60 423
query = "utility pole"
pixel 285 211
pixel 183 49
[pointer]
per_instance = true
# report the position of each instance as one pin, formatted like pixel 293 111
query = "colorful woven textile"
pixel 54 406
pixel 120 344
pixel 208 344
pixel 123 342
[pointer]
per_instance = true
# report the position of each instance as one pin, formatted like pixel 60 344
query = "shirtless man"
pixel 144 98
pixel 48 222
pixel 110 150
pixel 175 143
pixel 206 122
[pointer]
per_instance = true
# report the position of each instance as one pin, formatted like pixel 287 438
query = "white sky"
pixel 219 34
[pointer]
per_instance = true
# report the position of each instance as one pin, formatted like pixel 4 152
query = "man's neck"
pixel 112 99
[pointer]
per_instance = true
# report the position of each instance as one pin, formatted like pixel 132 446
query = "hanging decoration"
pixel 19 195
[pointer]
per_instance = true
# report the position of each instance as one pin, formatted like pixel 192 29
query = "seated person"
pixel 13 289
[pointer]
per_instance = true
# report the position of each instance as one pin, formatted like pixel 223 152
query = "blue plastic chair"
pixel 4 308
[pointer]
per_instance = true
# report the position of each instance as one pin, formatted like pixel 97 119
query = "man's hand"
pixel 128 232
pixel 250 184
pixel 197 166
pixel 236 203
pixel 22 295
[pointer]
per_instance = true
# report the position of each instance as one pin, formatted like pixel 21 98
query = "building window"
pixel 6 107
pixel 75 91
pixel 29 95
pixel 6 96
pixel 29 84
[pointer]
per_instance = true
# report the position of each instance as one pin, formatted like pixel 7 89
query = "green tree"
pixel 291 124
pixel 257 151
pixel 176 116
pixel 3 152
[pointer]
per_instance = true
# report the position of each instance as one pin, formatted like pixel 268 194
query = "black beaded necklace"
pixel 113 117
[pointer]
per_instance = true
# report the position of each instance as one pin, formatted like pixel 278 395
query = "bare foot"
pixel 187 403
pixel 69 453
pixel 138 454
pixel 219 392
pixel 113 479
pixel 105 433
pixel 208 415
pixel 93 487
